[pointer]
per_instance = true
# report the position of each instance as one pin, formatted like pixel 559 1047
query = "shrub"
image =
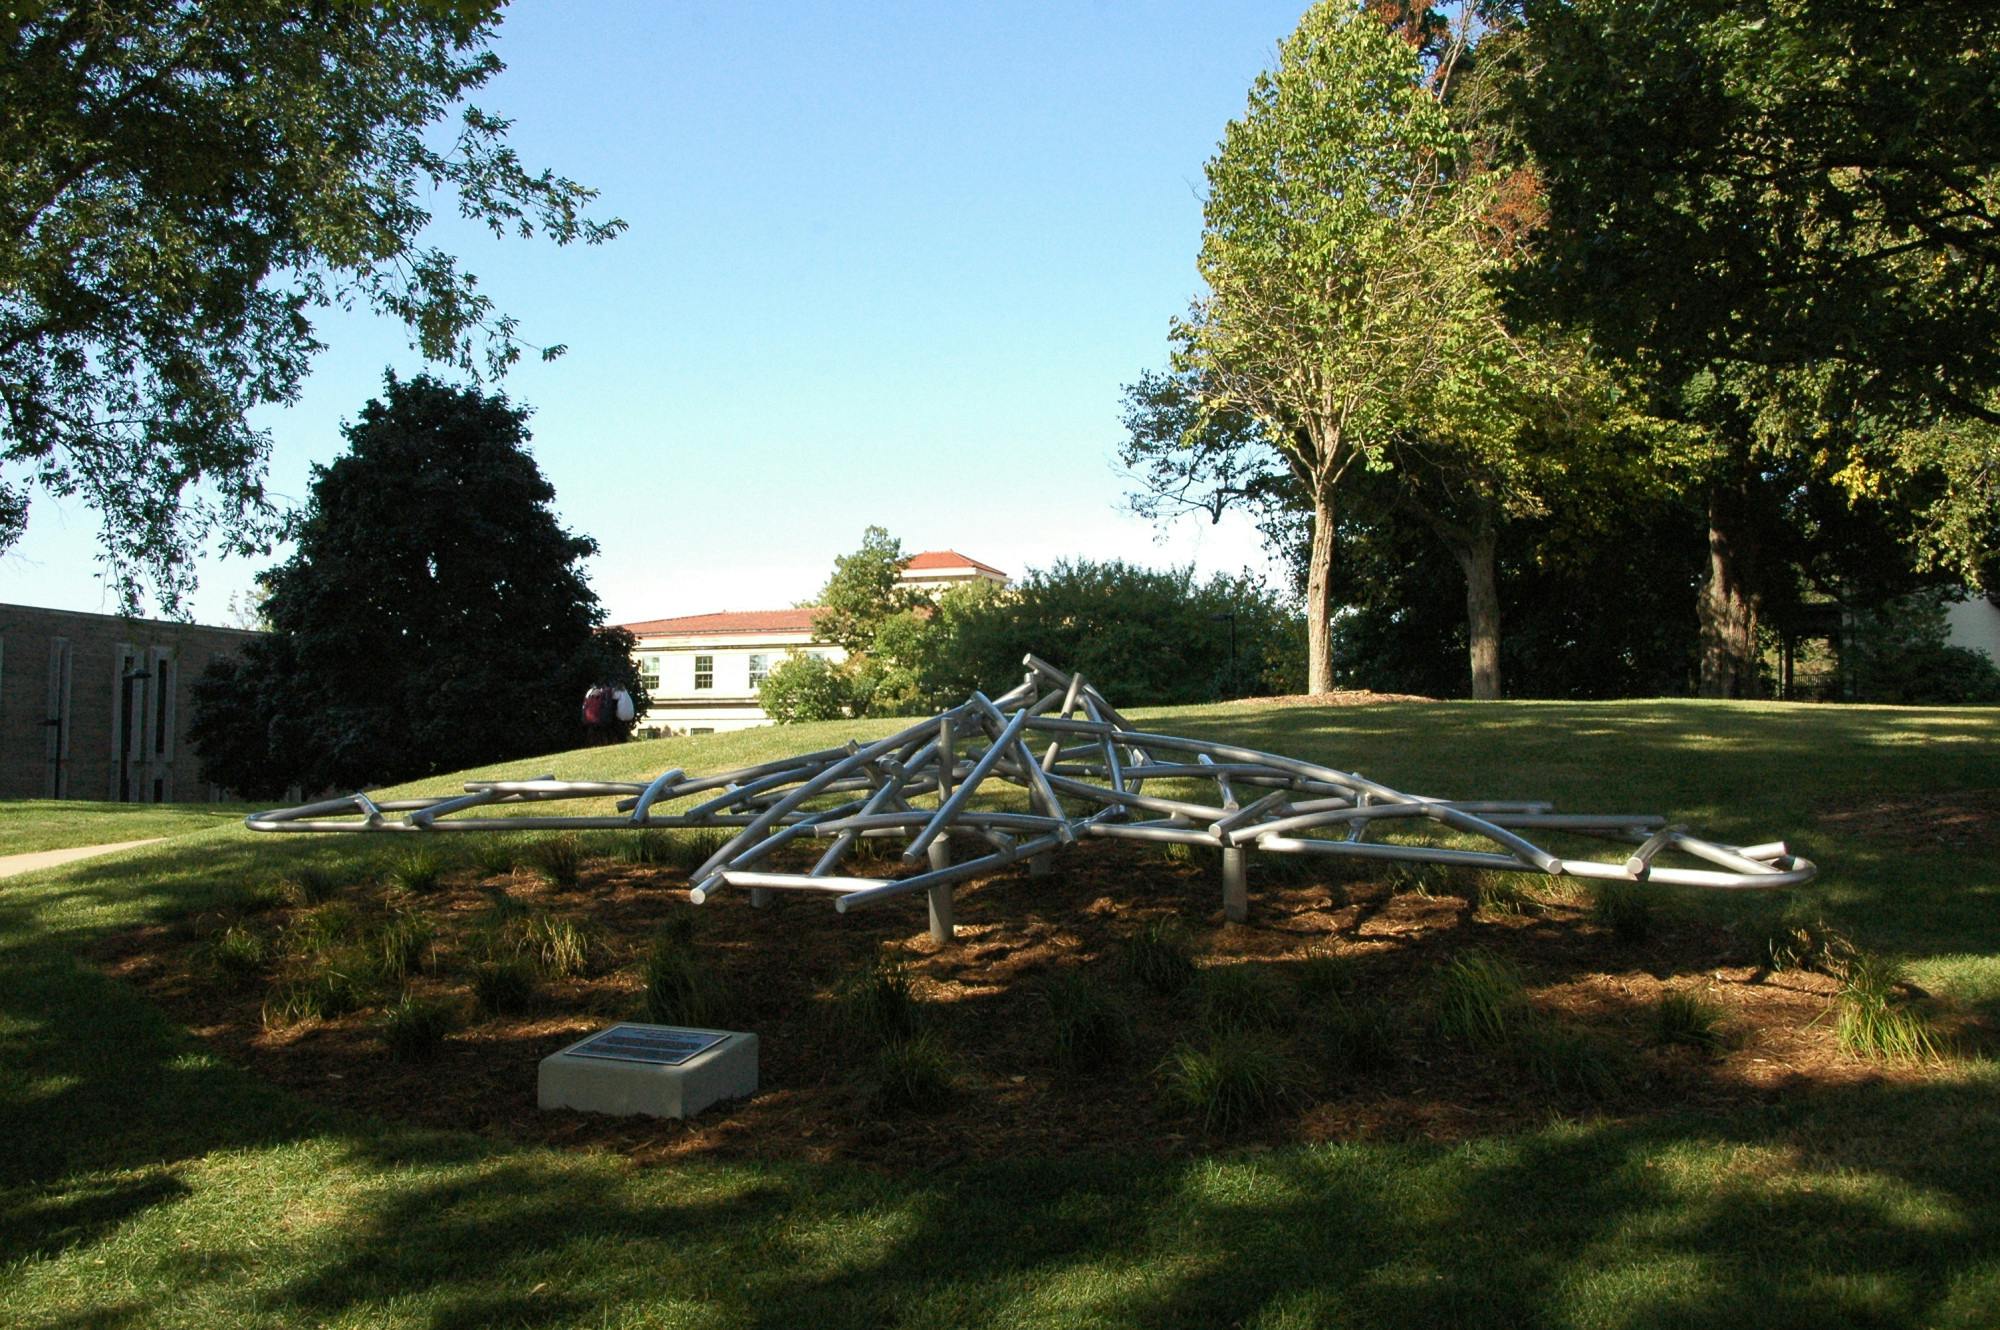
pixel 1691 1021
pixel 913 1074
pixel 878 1002
pixel 417 870
pixel 1089 1027
pixel 1242 997
pixel 1229 1081
pixel 414 1028
pixel 1480 1000
pixel 238 952
pixel 1872 1023
pixel 403 944
pixel 1158 956
pixel 1355 1035
pixel 559 859
pixel 1626 909
pixel 680 989
pixel 504 987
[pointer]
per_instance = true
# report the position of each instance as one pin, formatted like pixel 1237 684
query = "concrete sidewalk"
pixel 28 863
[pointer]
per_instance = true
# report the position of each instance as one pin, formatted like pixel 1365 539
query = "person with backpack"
pixel 607 714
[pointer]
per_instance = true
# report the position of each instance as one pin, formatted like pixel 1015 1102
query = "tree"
pixel 863 592
pixel 434 617
pixel 1783 215
pixel 183 187
pixel 1346 245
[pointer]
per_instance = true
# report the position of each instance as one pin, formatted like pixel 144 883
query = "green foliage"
pixel 495 853
pixel 1499 893
pixel 1692 1021
pixel 414 1028
pixel 913 1074
pixel 1243 997
pixel 187 186
pixel 1229 1082
pixel 1901 652
pixel 1566 1060
pixel 681 988
pixel 1480 1000
pixel 1626 908
pixel 483 654
pixel 1323 976
pixel 804 687
pixel 1157 955
pixel 559 859
pixel 1090 1030
pixel 559 948
pixel 877 1002
pixel 504 987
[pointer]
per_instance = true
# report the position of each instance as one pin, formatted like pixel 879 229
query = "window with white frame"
pixel 649 673
pixel 704 671
pixel 760 665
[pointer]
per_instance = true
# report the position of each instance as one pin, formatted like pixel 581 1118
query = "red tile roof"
pixel 935 559
pixel 729 621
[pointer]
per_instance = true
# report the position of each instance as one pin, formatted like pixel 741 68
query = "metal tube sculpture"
pixel 1089 781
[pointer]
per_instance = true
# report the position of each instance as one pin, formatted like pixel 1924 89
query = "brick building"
pixel 93 706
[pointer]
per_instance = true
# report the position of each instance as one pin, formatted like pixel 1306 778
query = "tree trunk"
pixel 1319 599
pixel 1727 607
pixel 1482 612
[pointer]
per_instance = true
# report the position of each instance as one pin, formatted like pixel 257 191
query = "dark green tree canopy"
pixel 182 187
pixel 435 615
pixel 863 592
pixel 1771 184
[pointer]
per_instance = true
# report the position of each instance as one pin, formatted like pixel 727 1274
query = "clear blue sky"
pixel 887 264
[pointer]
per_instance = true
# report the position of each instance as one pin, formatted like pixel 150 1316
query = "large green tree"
pixel 184 187
pixel 434 616
pixel 1349 234
pixel 1782 212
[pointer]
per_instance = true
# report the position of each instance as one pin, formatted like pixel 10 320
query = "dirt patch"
pixel 1339 697
pixel 1950 820
pixel 986 1000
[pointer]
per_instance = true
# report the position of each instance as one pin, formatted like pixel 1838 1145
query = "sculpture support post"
pixel 940 895
pixel 1235 888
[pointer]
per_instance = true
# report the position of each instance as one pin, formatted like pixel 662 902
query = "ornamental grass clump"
pixel 1688 1020
pixel 504 987
pixel 406 942
pixel 1089 1028
pixel 1873 1022
pixel 680 988
pixel 1354 1034
pixel 413 1029
pixel 558 859
pixel 308 885
pixel 1480 1001
pixel 418 871
pixel 878 1002
pixel 913 1075
pixel 1158 956
pixel 1625 909
pixel 322 993
pixel 1229 1081
pixel 1243 997
pixel 238 953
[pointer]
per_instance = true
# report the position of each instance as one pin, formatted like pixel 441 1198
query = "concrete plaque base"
pixel 660 1071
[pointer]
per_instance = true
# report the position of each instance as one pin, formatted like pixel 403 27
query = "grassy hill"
pixel 147 1180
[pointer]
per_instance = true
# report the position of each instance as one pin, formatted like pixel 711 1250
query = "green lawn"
pixel 27 825
pixel 143 1181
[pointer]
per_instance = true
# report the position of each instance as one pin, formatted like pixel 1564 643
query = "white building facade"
pixel 702 670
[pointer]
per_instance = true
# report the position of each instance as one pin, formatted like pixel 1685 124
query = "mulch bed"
pixel 784 965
